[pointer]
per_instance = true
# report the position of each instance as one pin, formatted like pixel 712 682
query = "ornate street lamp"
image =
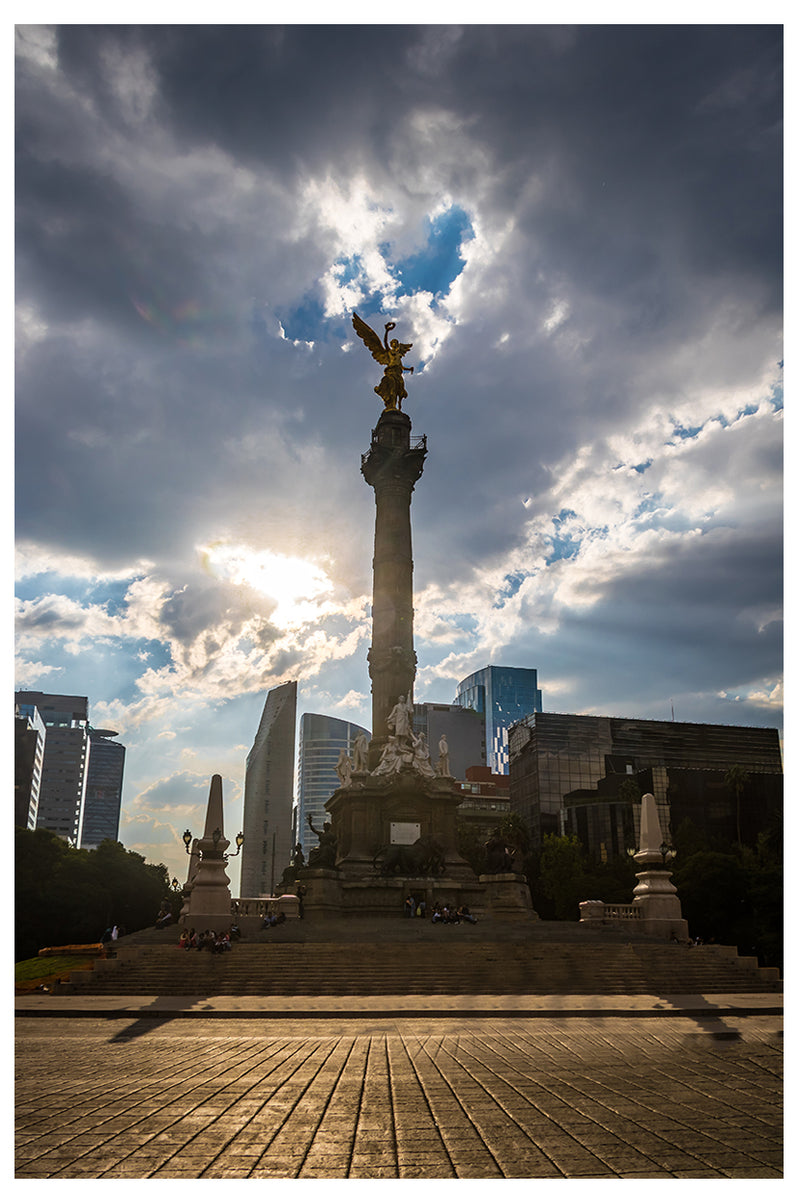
pixel 216 838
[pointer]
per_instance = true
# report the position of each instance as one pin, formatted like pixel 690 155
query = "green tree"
pixel 629 792
pixel 559 880
pixel 689 839
pixel 713 891
pixel 470 844
pixel 65 896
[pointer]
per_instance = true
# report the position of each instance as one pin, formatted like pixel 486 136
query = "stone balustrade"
pixel 596 910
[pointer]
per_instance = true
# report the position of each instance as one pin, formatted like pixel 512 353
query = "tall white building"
pixel 63 783
pixel 30 734
pixel 78 795
pixel 268 793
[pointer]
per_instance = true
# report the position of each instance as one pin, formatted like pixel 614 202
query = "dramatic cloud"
pixel 578 228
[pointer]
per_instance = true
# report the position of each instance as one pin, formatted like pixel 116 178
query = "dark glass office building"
pixel 463 728
pixel 502 695
pixel 581 774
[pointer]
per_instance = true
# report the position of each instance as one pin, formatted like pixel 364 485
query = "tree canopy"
pixel 65 896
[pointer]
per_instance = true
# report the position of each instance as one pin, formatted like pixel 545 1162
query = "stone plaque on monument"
pixel 404 833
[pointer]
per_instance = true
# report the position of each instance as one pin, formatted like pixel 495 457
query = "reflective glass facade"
pixel 103 800
pixel 502 695
pixel 567 772
pixel 322 738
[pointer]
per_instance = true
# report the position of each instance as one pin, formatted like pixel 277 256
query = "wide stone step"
pixel 339 969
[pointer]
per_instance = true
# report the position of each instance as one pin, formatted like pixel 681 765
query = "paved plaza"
pixel 447 1094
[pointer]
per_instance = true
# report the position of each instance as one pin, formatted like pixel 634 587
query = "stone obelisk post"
pixel 208 905
pixel 392 466
pixel 655 895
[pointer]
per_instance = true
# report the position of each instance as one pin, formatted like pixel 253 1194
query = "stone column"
pixel 391 466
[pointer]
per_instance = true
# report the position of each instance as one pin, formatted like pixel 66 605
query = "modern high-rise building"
pixel 268 792
pixel 103 800
pixel 583 775
pixel 322 739
pixel 62 788
pixel 30 734
pixel 76 777
pixel 463 729
pixel 501 695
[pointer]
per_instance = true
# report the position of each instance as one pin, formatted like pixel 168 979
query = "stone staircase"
pixel 427 966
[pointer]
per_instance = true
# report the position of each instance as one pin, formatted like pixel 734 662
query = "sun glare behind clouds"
pixel 296 586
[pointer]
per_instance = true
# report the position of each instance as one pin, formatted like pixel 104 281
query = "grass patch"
pixel 29 973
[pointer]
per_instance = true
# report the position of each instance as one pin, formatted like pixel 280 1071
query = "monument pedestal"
pixel 508 895
pixel 207 895
pixel 396 835
pixel 323 894
pixel 656 898
pixel 385 824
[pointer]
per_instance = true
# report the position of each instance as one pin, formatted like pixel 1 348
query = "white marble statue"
pixel 422 756
pixel 443 765
pixel 344 768
pixel 399 719
pixel 391 758
pixel 360 753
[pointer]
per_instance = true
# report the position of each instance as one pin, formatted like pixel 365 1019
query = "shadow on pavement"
pixel 151 1017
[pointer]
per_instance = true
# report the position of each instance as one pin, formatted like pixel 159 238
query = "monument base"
pixel 393 835
pixel 384 824
pixel 328 894
pixel 508 895
pixel 323 895
pixel 656 899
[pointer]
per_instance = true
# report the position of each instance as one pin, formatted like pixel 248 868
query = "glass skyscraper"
pixel 103 800
pixel 321 740
pixel 502 695
pixel 76 777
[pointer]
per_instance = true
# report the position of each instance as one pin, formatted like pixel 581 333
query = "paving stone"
pixel 429 1099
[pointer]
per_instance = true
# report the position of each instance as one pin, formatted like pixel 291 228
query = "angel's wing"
pixel 371 340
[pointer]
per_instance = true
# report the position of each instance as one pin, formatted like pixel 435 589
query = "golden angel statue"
pixel 389 354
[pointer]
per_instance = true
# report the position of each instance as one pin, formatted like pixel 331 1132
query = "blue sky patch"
pixel 564 545
pixel 439 262
pixel 433 268
pixel 304 323
pixel 512 583
pixel 686 431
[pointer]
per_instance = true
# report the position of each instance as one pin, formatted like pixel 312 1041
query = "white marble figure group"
pixel 405 750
